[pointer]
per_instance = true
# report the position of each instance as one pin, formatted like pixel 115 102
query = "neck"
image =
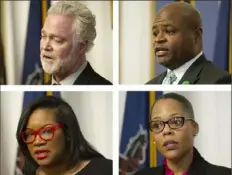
pixel 176 65
pixel 61 170
pixel 65 73
pixel 48 170
pixel 181 165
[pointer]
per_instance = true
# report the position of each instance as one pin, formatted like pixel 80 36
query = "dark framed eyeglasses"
pixel 158 125
pixel 45 133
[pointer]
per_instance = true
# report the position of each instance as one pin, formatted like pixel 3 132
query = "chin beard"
pixel 58 66
pixel 51 68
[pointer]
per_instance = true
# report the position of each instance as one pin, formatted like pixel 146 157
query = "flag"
pixel 223 46
pixel 134 140
pixel 135 152
pixel 29 97
pixel 32 69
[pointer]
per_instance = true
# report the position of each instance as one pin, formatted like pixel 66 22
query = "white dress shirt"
pixel 72 77
pixel 180 71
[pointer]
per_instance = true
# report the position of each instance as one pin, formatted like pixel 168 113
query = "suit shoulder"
pixel 224 80
pixel 99 80
pixel 106 165
pixel 100 166
pixel 215 169
pixel 215 70
pixel 103 163
pixel 211 74
pixel 90 77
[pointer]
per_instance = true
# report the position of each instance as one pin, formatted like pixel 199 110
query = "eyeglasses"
pixel 45 133
pixel 157 125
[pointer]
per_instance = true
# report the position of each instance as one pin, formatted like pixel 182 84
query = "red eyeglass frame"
pixel 36 132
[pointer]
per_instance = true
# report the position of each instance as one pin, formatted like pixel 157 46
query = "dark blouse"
pixel 98 166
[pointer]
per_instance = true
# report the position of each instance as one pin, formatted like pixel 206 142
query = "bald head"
pixel 185 12
pixel 177 32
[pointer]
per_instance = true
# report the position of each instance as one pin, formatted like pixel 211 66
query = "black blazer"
pixel 199 166
pixel 202 71
pixel 90 77
pixel 225 80
pixel 98 166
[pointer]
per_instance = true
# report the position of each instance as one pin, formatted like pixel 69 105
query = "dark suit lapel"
pixel 198 165
pixel 85 76
pixel 160 78
pixel 192 75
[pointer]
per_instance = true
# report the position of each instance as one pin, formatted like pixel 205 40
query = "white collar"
pixel 180 71
pixel 72 77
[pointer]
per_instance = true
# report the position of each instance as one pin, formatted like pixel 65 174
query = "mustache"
pixel 47 54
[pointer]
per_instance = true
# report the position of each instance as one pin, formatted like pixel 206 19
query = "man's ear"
pixel 195 128
pixel 198 35
pixel 82 47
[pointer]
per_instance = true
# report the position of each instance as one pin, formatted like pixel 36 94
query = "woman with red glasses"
pixel 51 141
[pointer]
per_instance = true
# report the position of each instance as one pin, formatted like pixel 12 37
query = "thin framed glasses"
pixel 45 133
pixel 158 125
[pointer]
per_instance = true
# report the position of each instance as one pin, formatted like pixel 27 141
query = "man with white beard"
pixel 67 35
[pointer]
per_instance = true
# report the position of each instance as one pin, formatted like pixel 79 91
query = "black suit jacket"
pixel 199 166
pixel 202 71
pixel 225 80
pixel 90 77
pixel 98 166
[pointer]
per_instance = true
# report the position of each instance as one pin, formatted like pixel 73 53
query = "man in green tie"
pixel 177 32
